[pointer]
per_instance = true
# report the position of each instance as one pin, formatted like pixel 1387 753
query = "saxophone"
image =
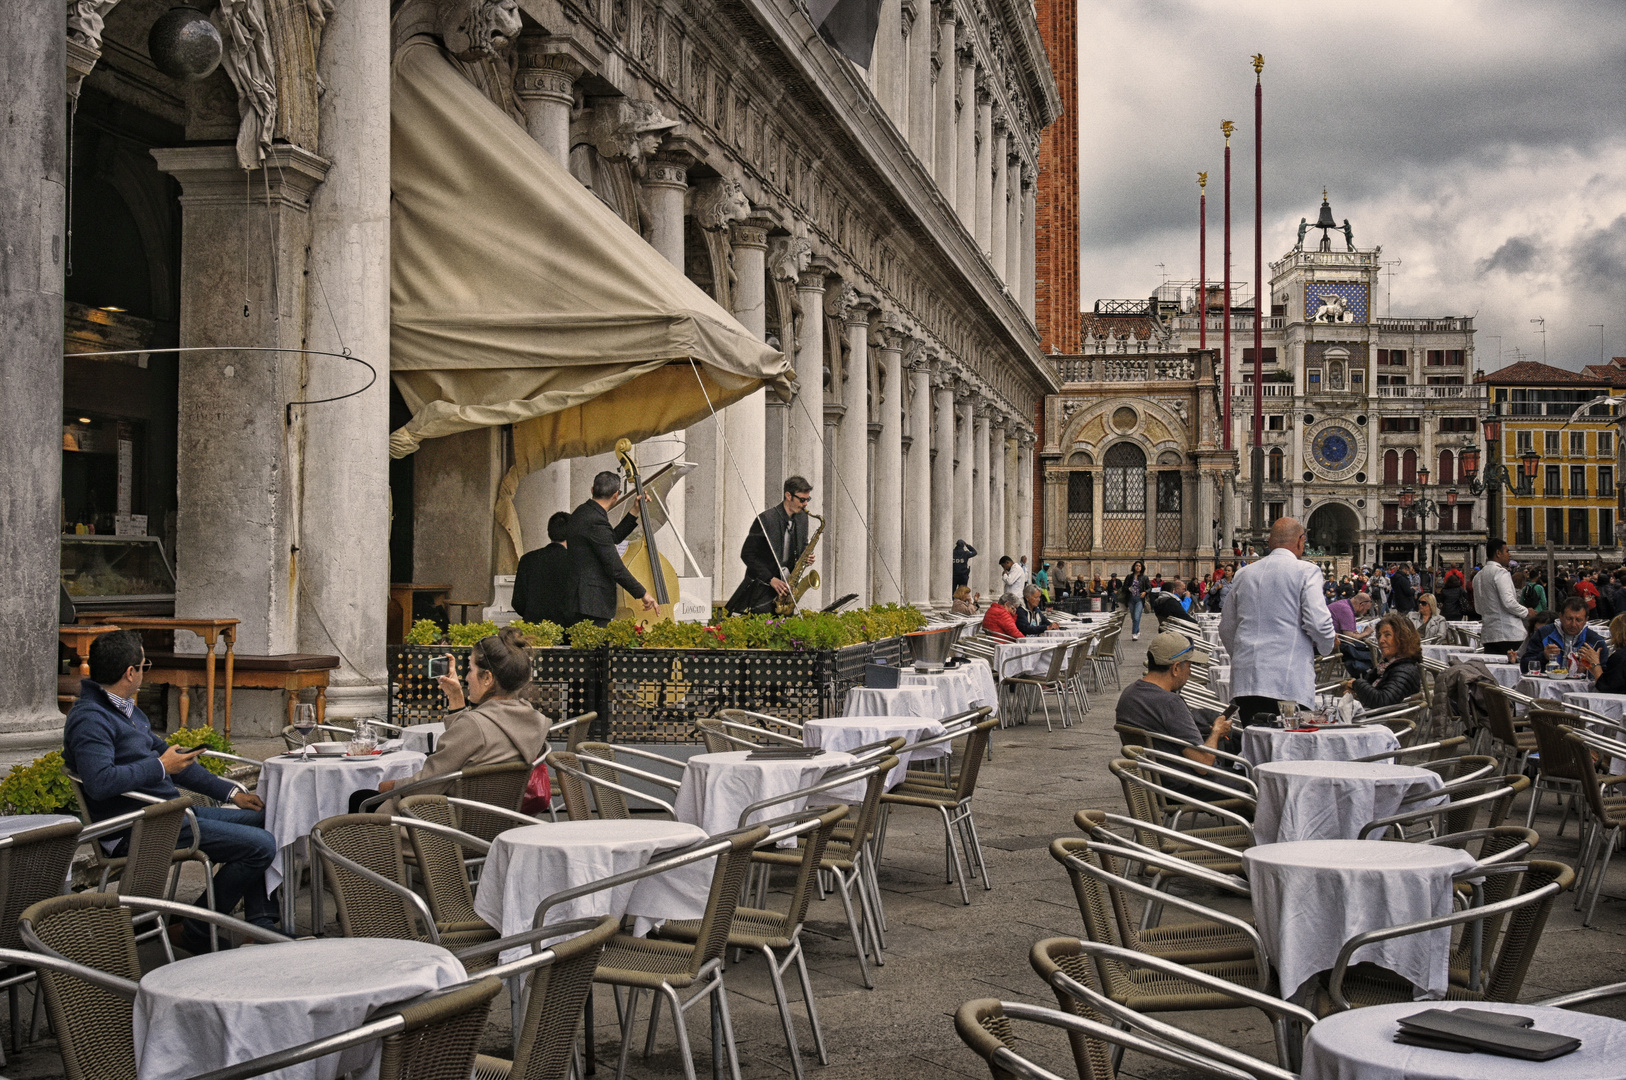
pixel 801 578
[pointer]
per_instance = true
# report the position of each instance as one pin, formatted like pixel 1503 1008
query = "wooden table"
pixel 289 672
pixel 78 638
pixel 210 630
pixel 401 597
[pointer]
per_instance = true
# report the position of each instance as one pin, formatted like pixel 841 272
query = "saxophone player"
pixel 771 548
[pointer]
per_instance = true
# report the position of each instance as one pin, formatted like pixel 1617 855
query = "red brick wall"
pixel 1056 289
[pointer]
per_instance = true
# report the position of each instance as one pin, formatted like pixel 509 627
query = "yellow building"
pixel 1564 470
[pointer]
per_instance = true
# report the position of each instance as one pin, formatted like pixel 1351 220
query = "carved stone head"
pixel 628 129
pixel 788 256
pixel 720 201
pixel 475 28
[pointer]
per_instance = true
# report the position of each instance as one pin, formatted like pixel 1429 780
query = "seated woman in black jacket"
pixel 1399 671
pixel 1611 676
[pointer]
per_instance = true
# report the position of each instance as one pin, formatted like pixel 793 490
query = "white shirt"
pixel 1274 622
pixel 1015 579
pixel 1500 613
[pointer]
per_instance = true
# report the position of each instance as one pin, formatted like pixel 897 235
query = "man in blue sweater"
pixel 110 745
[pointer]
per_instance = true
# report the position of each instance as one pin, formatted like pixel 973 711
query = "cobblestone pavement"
pixel 942 952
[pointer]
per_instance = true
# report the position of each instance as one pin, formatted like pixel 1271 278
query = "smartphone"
pixel 1230 712
pixel 439 666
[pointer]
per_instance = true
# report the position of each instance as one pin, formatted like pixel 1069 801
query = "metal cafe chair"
pixel 33 866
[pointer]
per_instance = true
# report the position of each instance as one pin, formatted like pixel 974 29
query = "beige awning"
pixel 517 297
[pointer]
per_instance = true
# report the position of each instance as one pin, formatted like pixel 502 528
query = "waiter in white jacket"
pixel 1274 623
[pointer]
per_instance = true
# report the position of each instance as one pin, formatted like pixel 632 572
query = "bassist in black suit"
pixel 597 564
pixel 771 548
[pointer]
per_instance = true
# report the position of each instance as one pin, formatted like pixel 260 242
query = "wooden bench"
pixel 290 672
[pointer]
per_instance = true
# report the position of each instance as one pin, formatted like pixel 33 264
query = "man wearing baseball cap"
pixel 1153 704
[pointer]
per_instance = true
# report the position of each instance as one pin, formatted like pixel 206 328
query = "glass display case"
pixel 122 573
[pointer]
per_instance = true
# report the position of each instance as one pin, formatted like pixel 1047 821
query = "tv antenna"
pixel 1603 357
pixel 1541 328
pixel 1389 292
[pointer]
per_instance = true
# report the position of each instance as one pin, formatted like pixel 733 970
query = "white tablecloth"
pixel 956 688
pixel 717 787
pixel 904 701
pixel 1506 675
pixel 1610 705
pixel 218 1009
pixel 10 826
pixel 1331 800
pixel 1446 653
pixel 299 792
pixel 851 732
pixel 1261 744
pixel 1544 689
pixel 422 737
pixel 1219 682
pixel 1311 897
pixel 530 863
pixel 1359 1045
pixel 1027 655
pixel 979 672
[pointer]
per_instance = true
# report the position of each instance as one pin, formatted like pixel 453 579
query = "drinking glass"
pixel 304 723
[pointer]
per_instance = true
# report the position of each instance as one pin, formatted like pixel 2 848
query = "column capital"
pixel 211 176
pixel 816 278
pixel 854 306
pixel 789 257
pixel 670 165
pixel 917 357
pixel 547 67
pixel 748 234
pixel 890 334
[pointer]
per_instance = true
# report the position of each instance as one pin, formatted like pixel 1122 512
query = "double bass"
pixel 642 557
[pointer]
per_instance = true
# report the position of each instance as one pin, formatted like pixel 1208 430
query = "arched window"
pixel 1125 479
pixel 1391 467
pixel 1275 474
pixel 1408 467
pixel 1446 475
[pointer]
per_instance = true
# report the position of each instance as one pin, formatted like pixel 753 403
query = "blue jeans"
pixel 1135 607
pixel 236 842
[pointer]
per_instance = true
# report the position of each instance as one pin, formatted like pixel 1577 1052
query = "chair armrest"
pixel 1273 1006
pixel 1165 863
pixel 1186 762
pixel 1009 1061
pixel 418 904
pixel 1107 836
pixel 1335 984
pixel 830 780
pixel 462 838
pixel 620 749
pixel 526 937
pixel 407 789
pixel 1428 812
pixel 1578 997
pixel 520 820
pixel 113 984
pixel 594 781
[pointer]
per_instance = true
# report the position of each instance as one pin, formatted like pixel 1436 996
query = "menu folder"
pixel 1437 1025
pixel 780 753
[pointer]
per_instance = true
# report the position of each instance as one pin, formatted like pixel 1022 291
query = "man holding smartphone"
pixel 110 745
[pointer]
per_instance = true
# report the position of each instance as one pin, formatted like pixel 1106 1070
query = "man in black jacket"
pixel 597 565
pixel 545 583
pixel 772 546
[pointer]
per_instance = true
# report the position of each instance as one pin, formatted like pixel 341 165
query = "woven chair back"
pixel 441 1036
pixel 1581 762
pixel 726 882
pixel 1143 803
pixel 502 786
pixel 812 854
pixel 440 859
pixel 711 733
pixel 1499 718
pixel 1100 920
pixel 573 789
pixel 153 841
pixel 367 909
pixel 1554 761
pixel 578 730
pixel 598 760
pixel 1103 892
pixel 976 749
pixel 553 1011
pixel 93 1025
pixel 1092 1057
pixel 32 868
pixel 870 809
pixel 1524 928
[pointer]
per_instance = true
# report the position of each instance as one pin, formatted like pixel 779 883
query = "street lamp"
pixel 1410 499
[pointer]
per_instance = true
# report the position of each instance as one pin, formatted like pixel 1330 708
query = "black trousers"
pixel 1255 710
pixel 1501 648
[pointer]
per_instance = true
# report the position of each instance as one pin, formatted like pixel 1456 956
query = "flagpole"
pixel 1202 260
pixel 1228 127
pixel 1261 298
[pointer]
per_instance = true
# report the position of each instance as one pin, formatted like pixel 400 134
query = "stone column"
pixel 343 561
pixel 999 211
pixel 997 495
pixel 887 521
pixel 744 422
pixel 1098 508
pixel 804 440
pixel 965 184
pixel 1013 224
pixel 922 123
pixel 1024 492
pixel 964 465
pixel 33 149
pixel 947 68
pixel 545 79
pixel 984 540
pixel 237 520
pixel 851 524
pixel 984 174
pixel 1030 236
pixel 887 68
pixel 917 509
pixel 943 533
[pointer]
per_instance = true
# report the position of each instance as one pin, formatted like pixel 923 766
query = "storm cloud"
pixel 1481 144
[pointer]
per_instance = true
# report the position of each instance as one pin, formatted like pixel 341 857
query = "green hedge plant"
pixel 39 787
pixel 807 631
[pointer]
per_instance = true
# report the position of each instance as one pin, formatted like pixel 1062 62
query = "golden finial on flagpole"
pixel 1258 63
pixel 1227 127
pixel 1202 180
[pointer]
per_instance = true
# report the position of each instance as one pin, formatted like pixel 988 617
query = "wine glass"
pixel 304 723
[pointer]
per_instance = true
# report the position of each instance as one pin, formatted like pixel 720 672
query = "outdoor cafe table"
pixel 958 690
pixel 217 1009
pixel 528 864
pixel 717 787
pixel 902 701
pixel 1542 688
pixel 1506 675
pixel 422 737
pixel 299 792
pixel 1261 744
pixel 17 823
pixel 1359 1045
pixel 1029 654
pixel 1312 896
pixel 1446 653
pixel 851 732
pixel 1331 800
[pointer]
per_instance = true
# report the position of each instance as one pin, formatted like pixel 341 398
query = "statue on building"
pixel 479 35
pixel 1304 227
pixel 1349 236
pixel 610 146
pixel 1333 309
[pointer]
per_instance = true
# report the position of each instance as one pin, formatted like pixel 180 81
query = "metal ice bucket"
pixel 931 647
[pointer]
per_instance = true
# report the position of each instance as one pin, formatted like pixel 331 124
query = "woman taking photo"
pixel 1427 619
pixel 1398 670
pixel 493 725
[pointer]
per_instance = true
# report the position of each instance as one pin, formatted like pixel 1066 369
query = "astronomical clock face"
pixel 1336 449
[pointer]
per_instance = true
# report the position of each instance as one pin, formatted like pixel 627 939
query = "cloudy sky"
pixel 1481 142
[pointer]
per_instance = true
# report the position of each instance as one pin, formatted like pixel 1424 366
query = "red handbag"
pixel 538 791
